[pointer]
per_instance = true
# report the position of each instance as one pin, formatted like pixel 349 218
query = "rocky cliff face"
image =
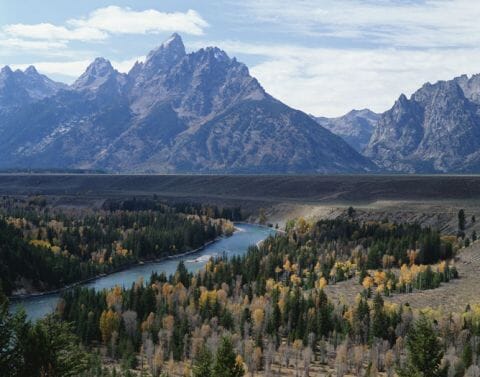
pixel 355 127
pixel 18 88
pixel 176 112
pixel 436 130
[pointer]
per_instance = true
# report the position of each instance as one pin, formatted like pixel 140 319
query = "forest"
pixel 266 313
pixel 43 247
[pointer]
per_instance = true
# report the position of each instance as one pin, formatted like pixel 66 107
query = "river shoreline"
pixel 245 235
pixel 20 297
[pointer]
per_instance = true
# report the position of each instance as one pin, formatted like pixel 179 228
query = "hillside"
pixel 356 127
pixel 436 130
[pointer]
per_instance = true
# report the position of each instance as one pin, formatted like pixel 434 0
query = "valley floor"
pixel 432 201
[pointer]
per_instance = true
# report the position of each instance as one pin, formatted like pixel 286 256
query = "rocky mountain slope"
pixel 18 88
pixel 436 130
pixel 176 112
pixel 356 127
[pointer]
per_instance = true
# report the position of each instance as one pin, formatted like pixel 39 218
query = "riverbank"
pixel 236 245
pixel 19 297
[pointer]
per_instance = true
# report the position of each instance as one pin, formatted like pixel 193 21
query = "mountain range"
pixel 202 112
pixel 199 112
pixel 356 127
pixel 436 130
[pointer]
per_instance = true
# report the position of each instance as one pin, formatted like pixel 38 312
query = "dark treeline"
pixel 43 248
pixel 192 208
pixel 20 259
pixel 381 239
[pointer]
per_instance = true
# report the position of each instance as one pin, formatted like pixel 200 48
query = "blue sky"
pixel 322 56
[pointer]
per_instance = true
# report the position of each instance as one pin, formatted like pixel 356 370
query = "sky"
pixel 325 57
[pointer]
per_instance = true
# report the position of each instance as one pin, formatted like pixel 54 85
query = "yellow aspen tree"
pixel 367 282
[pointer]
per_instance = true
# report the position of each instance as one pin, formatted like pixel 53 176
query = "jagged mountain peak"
pixel 31 70
pixel 6 70
pixel 100 67
pixel 18 87
pixel 436 130
pixel 175 41
pixel 216 53
pixel 97 74
pixel 470 86
pixel 173 46
pixel 402 99
pixel 200 83
pixel 176 112
pixel 166 55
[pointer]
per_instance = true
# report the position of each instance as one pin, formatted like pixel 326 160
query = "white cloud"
pixel 21 44
pixel 98 26
pixel 429 23
pixel 331 82
pixel 49 32
pixel 365 53
pixel 114 19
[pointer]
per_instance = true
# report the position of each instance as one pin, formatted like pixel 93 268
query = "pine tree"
pixel 11 358
pixel 379 321
pixel 424 351
pixel 461 219
pixel 202 365
pixel 54 349
pixel 362 321
pixel 467 354
pixel 226 364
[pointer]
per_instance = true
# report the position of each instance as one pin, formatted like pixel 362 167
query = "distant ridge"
pixel 356 127
pixel 197 112
pixel 436 130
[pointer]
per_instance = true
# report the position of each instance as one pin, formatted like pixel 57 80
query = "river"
pixel 237 244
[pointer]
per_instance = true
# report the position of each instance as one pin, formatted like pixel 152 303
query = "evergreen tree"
pixel 379 321
pixel 424 351
pixel 53 350
pixel 226 364
pixel 11 358
pixel 461 220
pixel 362 321
pixel 202 364
pixel 467 354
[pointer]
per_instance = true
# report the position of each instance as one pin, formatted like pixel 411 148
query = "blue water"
pixel 245 236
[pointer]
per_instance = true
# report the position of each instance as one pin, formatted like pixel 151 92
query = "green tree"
pixel 424 351
pixel 226 364
pixel 53 350
pixel 461 219
pixel 11 358
pixel 262 217
pixel 467 354
pixel 380 320
pixel 202 364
